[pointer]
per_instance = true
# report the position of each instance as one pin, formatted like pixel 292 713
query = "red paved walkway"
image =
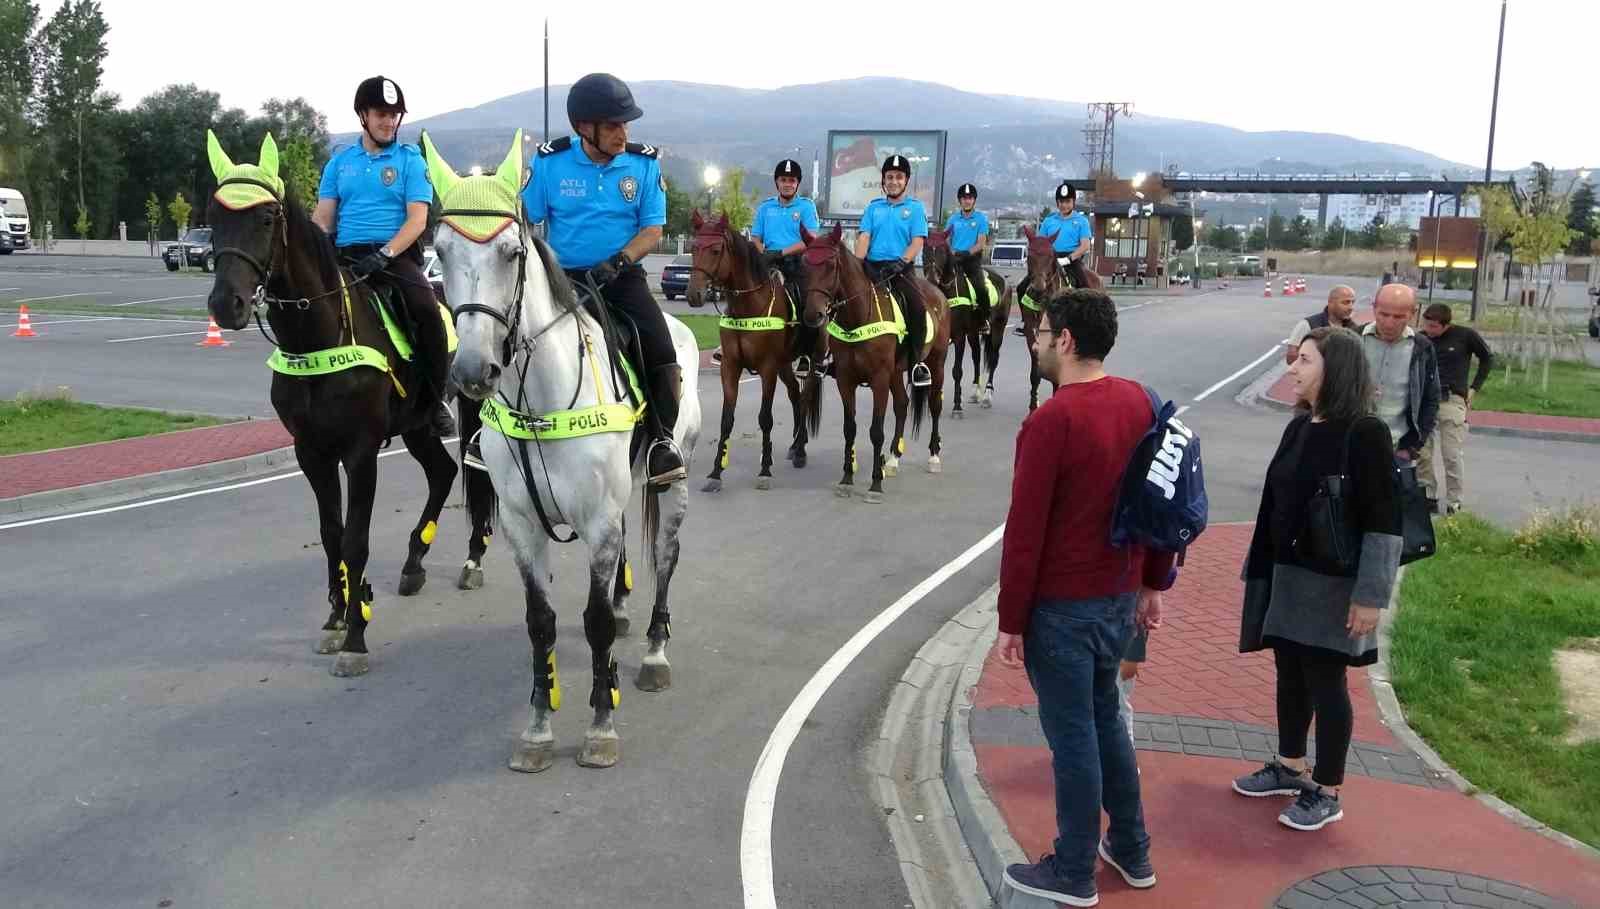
pixel 66 467
pixel 1216 849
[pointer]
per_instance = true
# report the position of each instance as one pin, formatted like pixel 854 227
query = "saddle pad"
pixel 384 303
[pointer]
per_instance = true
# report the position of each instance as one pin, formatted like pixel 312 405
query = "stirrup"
pixel 662 481
pixel 472 454
pixel 921 376
pixel 802 367
pixel 716 355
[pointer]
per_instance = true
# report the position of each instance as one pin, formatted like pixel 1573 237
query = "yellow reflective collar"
pixel 322 362
pixel 768 322
pixel 560 424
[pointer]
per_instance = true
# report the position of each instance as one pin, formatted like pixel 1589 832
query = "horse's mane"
pixel 752 256
pixel 560 284
pixel 299 222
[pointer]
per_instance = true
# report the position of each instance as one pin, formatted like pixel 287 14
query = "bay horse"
pixel 757 334
pixel 1047 279
pixel 537 358
pixel 338 385
pixel 867 350
pixel 939 266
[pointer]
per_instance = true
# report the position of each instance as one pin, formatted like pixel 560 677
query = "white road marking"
pixel 17 525
pixel 4 289
pixel 37 322
pixel 755 838
pixel 161 299
pixel 42 299
pixel 175 334
pixel 1253 364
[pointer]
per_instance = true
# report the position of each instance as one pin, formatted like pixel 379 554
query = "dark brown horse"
pixel 868 351
pixel 938 263
pixel 757 335
pixel 1046 280
pixel 271 259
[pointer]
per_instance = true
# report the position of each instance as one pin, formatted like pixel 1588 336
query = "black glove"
pixel 607 271
pixel 770 259
pixel 371 262
pixel 894 267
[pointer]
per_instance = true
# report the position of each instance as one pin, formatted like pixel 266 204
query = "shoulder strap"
pixel 640 148
pixel 555 145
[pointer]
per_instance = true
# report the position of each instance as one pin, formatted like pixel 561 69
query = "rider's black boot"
pixel 442 423
pixel 664 463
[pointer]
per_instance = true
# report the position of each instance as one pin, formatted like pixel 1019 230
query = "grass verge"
pixel 39 424
pixel 1574 391
pixel 1472 659
pixel 706 333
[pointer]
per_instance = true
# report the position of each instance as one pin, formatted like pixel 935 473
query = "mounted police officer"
pixel 604 201
pixel 1073 233
pixel 776 232
pixel 969 234
pixel 893 228
pixel 373 201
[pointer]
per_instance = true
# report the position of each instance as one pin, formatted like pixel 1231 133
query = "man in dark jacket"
pixel 1341 303
pixel 1455 345
pixel 1404 369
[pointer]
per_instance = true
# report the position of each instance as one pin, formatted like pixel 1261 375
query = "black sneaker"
pixel 665 464
pixel 1039 879
pixel 1139 874
pixel 472 454
pixel 1272 779
pixel 443 424
pixel 1314 809
pixel 1020 331
pixel 1433 505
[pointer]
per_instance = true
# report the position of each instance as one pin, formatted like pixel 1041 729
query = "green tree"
pixel 179 209
pixel 82 224
pixel 1299 234
pixel 1224 238
pixel 1257 240
pixel 18 19
pixel 73 49
pixel 733 203
pixel 299 172
pixel 286 118
pixel 1581 219
pixel 1336 236
pixel 679 211
pixel 1182 232
pixel 152 216
pixel 1277 230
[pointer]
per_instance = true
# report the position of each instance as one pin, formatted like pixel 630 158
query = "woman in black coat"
pixel 1317 620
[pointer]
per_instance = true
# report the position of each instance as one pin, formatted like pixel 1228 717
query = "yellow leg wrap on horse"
pixel 555 683
pixel 725 455
pixel 344 581
pixel 627 576
pixel 900 446
pixel 429 530
pixel 366 611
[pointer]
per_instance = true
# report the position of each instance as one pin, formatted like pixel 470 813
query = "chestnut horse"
pixel 757 334
pixel 868 350
pixel 1047 279
pixel 939 266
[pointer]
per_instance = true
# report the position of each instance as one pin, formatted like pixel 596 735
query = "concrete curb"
pixel 112 492
pixel 1381 681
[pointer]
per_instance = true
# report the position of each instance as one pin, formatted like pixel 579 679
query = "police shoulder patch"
pixel 554 146
pixel 640 148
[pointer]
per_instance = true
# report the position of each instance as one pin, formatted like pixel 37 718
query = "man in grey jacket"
pixel 1405 369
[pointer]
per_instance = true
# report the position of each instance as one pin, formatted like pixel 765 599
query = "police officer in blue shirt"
pixel 1074 236
pixel 969 234
pixel 373 200
pixel 776 232
pixel 893 229
pixel 604 201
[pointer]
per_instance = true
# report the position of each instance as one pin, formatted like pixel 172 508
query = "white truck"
pixel 13 219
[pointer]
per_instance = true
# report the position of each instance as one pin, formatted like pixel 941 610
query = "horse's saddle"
pixel 389 303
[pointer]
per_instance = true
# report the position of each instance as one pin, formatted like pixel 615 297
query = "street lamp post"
pixel 712 175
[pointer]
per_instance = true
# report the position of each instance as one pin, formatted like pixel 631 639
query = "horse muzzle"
pixel 230 308
pixel 475 375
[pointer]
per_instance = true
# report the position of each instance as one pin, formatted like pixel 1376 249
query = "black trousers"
pixel 794 275
pixel 916 317
pixel 971 267
pixel 629 294
pixel 1313 682
pixel 404 273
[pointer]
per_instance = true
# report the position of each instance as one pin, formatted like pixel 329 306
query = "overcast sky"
pixel 1414 72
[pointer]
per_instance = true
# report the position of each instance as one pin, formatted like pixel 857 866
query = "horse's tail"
pixel 919 403
pixel 650 505
pixel 811 403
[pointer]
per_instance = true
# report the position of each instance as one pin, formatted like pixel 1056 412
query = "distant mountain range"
pixel 1013 148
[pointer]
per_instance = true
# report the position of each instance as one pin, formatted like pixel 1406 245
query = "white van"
pixel 1009 254
pixel 14 218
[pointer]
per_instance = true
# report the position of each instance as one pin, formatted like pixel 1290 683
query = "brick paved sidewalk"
pixel 63 468
pixel 1204 713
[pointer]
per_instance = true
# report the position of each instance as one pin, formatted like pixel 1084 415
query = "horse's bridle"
pixel 511 320
pixel 722 253
pixel 261 299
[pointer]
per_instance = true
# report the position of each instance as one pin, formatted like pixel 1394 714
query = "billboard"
pixel 1447 243
pixel 852 179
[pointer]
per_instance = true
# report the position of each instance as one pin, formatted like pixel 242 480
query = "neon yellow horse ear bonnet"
pixel 477 207
pixel 257 183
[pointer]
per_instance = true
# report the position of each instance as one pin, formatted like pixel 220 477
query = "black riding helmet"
pixel 379 92
pixel 897 162
pixel 788 167
pixel 965 190
pixel 1066 191
pixel 601 98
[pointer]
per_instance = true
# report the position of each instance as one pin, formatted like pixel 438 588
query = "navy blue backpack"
pixel 1162 503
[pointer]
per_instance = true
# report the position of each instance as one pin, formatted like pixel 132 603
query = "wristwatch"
pixel 386 252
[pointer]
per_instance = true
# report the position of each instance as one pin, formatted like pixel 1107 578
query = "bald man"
pixel 1341 303
pixel 1405 370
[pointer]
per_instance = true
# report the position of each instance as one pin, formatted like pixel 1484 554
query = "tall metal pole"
pixel 547 79
pixel 1488 164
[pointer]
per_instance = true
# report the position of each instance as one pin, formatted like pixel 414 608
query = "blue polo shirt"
pixel 892 225
pixel 1069 231
pixel 373 190
pixel 966 229
pixel 777 224
pixel 593 210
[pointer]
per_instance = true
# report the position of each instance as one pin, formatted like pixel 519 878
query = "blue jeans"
pixel 1072 650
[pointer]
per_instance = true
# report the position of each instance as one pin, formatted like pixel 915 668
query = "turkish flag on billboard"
pixel 861 153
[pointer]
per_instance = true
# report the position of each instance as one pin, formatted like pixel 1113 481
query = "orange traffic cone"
pixel 1300 286
pixel 1286 291
pixel 24 328
pixel 1267 290
pixel 213 336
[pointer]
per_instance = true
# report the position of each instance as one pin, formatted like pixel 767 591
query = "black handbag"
pixel 1330 542
pixel 1416 521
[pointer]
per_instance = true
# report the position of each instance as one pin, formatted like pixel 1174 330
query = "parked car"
pixel 675 276
pixel 1009 254
pixel 193 249
pixel 5 242
pixel 14 219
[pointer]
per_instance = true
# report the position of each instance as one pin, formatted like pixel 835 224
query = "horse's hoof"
pixel 975 399
pixel 763 482
pixel 712 485
pixel 935 465
pixel 873 498
pixel 891 468
pixel 789 455
pixel 988 402
pixel 332 642
pixel 622 623
pixel 799 460
pixel 958 414
pixel 411 583
pixel 532 757
pixel 654 677
pixel 471 577
pixel 348 665
pixel 599 750
pixel 842 490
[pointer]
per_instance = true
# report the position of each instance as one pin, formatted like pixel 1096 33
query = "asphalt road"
pixel 171 735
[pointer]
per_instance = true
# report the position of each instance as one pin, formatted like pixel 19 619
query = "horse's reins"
pixel 834 301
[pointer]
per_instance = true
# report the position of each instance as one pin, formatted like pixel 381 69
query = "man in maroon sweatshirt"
pixel 1069 600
